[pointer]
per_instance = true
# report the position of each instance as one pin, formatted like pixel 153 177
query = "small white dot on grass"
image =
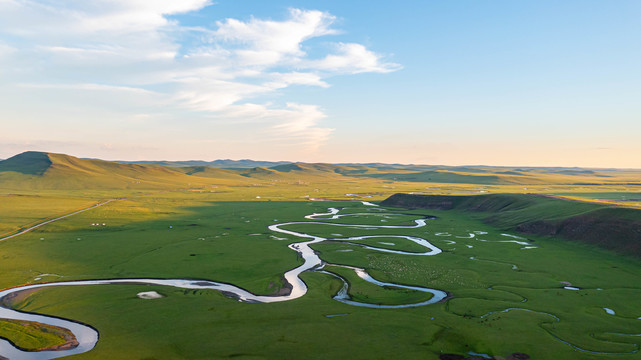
pixel 149 295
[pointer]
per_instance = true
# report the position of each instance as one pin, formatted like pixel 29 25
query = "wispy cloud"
pixel 301 122
pixel 99 87
pixel 353 59
pixel 134 48
pixel 297 123
pixel 267 42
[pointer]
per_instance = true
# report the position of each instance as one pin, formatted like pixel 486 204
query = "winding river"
pixel 87 336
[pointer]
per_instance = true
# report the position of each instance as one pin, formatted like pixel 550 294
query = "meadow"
pixel 507 293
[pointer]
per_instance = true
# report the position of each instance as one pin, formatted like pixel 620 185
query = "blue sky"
pixel 549 83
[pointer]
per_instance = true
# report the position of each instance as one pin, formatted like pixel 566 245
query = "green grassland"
pixel 21 211
pixel 31 335
pixel 206 324
pixel 176 224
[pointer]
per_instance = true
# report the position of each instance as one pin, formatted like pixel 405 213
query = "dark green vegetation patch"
pixel 29 163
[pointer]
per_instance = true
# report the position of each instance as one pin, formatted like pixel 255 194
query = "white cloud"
pixel 215 95
pixel 282 80
pixel 353 59
pixel 268 42
pixel 130 49
pixel 51 18
pixel 298 123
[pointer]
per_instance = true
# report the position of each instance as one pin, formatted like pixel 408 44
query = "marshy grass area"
pixel 362 291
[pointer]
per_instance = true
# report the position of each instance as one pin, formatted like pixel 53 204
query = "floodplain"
pixel 508 292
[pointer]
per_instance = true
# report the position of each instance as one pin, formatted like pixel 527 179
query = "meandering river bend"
pixel 88 337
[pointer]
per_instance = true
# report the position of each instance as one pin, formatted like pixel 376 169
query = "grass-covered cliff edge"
pixel 609 227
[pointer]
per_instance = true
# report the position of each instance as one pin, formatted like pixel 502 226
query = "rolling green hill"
pixel 503 177
pixel 262 173
pixel 319 168
pixel 208 172
pixel 38 170
pixel 440 177
pixel 224 164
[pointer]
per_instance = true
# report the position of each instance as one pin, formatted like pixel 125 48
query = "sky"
pixel 466 82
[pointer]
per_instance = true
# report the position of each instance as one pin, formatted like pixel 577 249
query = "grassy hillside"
pixel 225 164
pixel 316 168
pixel 609 227
pixel 40 171
pixel 499 176
pixel 440 177
pixel 209 172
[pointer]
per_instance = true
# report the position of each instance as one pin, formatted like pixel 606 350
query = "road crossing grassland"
pixel 45 222
pixel 22 211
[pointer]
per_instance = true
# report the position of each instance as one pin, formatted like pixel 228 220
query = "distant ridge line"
pixel 40 170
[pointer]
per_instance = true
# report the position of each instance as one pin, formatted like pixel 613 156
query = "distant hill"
pixel 507 176
pixel 207 172
pixel 328 169
pixel 441 177
pixel 224 164
pixel 262 173
pixel 40 170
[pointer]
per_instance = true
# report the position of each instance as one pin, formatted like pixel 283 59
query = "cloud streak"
pixel 230 71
